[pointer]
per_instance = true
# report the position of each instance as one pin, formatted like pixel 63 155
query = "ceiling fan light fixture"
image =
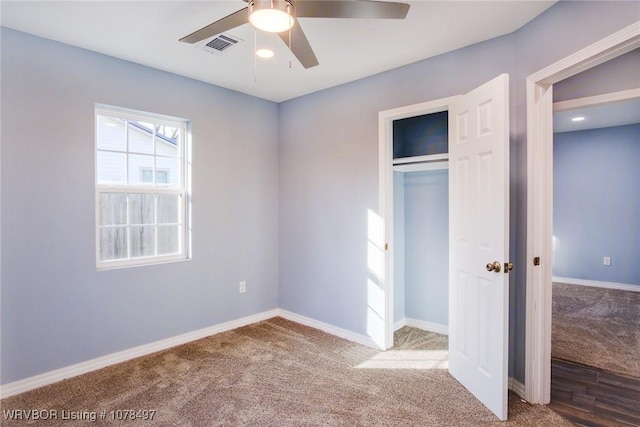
pixel 272 16
pixel 265 53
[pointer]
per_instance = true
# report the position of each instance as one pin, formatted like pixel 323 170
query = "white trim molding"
pixel 54 376
pixel 326 327
pixel 619 43
pixel 438 328
pixel 540 199
pixel 428 326
pixel 51 377
pixel 591 101
pixel 517 387
pixel 399 324
pixel 44 379
pixel 597 284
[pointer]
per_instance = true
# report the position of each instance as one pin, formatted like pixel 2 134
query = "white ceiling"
pixel 147 32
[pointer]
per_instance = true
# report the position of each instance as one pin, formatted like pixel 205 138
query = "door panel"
pixel 478 227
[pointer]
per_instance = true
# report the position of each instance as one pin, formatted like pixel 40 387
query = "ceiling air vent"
pixel 220 43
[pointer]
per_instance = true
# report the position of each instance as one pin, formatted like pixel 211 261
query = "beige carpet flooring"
pixel 409 338
pixel 278 373
pixel 597 327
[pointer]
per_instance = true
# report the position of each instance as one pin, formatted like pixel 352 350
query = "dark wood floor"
pixel 594 397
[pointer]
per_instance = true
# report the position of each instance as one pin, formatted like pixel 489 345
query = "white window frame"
pixel 183 189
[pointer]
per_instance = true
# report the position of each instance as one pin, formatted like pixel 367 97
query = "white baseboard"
pixel 51 377
pixel 41 380
pixel 399 324
pixel 597 284
pixel 517 387
pixel 325 327
pixel 427 326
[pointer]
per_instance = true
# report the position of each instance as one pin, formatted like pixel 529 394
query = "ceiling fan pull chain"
pixel 255 56
pixel 290 51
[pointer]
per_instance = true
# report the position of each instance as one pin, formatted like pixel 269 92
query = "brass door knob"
pixel 495 266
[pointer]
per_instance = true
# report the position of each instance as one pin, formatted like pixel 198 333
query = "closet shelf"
pixel 421 163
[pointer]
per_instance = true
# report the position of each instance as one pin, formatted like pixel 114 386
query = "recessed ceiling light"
pixel 577 119
pixel 264 53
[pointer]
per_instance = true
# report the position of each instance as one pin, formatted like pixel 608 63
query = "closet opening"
pixel 421 232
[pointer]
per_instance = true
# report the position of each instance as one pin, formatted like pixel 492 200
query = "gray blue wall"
pixel 57 310
pixel 329 160
pixel 596 201
pixel 421 241
pixel 427 246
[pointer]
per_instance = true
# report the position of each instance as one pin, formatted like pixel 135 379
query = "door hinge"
pixel 508 266
pixel 386 246
pixel 536 260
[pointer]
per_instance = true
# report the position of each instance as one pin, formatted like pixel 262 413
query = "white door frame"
pixel 540 200
pixel 385 168
pixel 592 101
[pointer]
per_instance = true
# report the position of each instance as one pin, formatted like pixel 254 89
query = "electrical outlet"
pixel 607 261
pixel 242 287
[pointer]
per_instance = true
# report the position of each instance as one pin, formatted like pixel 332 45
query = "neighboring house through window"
pixel 162 175
pixel 141 188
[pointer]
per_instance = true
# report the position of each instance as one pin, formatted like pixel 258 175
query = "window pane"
pixel 110 134
pixel 140 137
pixel 112 168
pixel 113 243
pixel 142 241
pixel 146 174
pixel 168 141
pixel 113 208
pixel 169 208
pixel 172 168
pixel 168 239
pixel 141 208
pixel 140 163
pixel 139 167
pixel 162 177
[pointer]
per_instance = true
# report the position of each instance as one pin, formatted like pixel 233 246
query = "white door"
pixel 478 236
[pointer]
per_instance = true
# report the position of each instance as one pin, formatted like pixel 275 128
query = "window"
pixel 162 175
pixel 141 188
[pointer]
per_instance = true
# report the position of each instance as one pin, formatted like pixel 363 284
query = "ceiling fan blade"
pixel 300 46
pixel 227 23
pixel 350 9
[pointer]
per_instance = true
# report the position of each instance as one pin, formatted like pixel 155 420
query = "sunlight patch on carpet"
pixel 408 359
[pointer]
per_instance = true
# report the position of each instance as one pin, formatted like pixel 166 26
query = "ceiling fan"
pixel 280 16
